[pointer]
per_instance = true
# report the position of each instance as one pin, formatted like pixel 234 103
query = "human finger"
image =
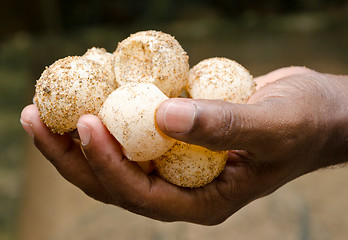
pixel 63 152
pixel 219 125
pixel 131 188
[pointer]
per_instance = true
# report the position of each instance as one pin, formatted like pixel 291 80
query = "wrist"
pixel 335 150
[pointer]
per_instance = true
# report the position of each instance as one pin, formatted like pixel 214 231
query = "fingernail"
pixel 84 133
pixel 179 116
pixel 28 128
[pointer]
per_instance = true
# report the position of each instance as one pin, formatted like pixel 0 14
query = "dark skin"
pixel 294 124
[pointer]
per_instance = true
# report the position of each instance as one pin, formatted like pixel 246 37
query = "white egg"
pixel 220 78
pixel 154 57
pixel 69 88
pixel 129 115
pixel 105 59
pixel 188 165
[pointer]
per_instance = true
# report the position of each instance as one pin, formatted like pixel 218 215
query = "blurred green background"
pixel 261 35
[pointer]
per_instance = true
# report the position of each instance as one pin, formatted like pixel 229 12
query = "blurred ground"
pixel 36 203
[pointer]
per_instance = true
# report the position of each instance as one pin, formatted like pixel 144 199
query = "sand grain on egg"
pixel 69 88
pixel 105 59
pixel 154 57
pixel 220 78
pixel 188 165
pixel 129 115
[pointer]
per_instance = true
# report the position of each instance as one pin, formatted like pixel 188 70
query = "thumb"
pixel 217 124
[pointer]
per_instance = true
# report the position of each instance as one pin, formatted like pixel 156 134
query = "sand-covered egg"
pixel 105 59
pixel 154 57
pixel 220 78
pixel 188 165
pixel 129 115
pixel 69 88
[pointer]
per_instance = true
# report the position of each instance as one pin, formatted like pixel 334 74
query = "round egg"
pixel 129 115
pixel 105 59
pixel 154 57
pixel 188 165
pixel 220 78
pixel 69 88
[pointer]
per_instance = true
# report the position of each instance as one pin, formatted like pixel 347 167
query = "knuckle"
pixel 216 125
pixel 229 127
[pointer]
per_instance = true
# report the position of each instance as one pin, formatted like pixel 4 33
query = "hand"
pixel 293 125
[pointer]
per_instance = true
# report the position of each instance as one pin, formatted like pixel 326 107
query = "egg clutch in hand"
pixel 125 88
